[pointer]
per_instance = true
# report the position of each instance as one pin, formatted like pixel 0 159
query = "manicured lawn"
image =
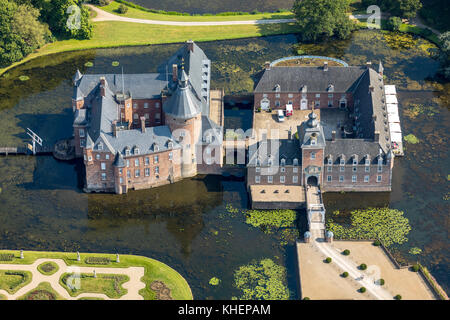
pixel 48 268
pixel 154 270
pixel 109 284
pixel 2 297
pixel 140 14
pixel 43 291
pixel 115 34
pixel 11 281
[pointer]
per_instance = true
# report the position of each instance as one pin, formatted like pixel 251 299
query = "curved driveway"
pixel 106 16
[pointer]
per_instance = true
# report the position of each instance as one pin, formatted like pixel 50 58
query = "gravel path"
pixel 133 285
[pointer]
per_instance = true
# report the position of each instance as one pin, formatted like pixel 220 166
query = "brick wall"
pixel 150 109
pixel 263 175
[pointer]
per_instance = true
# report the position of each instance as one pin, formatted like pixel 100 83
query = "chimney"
pixel 368 64
pixel 376 136
pixel 374 117
pixel 114 128
pixel 371 88
pixel 267 65
pixel 333 135
pixel 325 66
pixel 142 124
pixel 102 86
pixel 174 73
pixel 190 45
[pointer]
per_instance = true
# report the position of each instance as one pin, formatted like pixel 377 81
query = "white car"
pixel 280 116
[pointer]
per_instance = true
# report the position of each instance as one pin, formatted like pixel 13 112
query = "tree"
pixel 394 23
pixel 444 54
pixel 403 8
pixel 20 31
pixel 122 9
pixel 318 19
pixel 409 8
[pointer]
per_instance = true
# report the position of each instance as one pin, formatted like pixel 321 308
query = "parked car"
pixel 280 116
pixel 289 110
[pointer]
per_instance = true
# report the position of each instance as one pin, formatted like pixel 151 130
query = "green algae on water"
pixel 412 139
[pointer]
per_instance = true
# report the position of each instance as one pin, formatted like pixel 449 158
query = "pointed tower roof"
pixel 78 75
pixel 119 161
pixel 89 142
pixel 380 68
pixel 183 103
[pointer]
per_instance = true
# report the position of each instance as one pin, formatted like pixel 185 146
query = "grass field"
pixel 48 268
pixel 154 270
pixel 140 14
pixel 109 284
pixel 11 283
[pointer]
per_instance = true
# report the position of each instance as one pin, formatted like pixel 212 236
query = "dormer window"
pixel 367 161
pixel 270 161
pixel 330 88
pixel 170 144
pixel 330 160
pixel 380 161
pixel 127 151
pixel 283 162
pixel 155 147
pixel 136 150
pixel 342 160
pixel 355 160
pixel 100 146
pixel 277 88
pixel 295 162
pixel 304 89
pixel 258 162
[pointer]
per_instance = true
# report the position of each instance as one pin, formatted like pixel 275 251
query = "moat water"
pixel 186 225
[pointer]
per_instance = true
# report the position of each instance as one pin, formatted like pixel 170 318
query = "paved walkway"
pixel 133 285
pixel 106 16
pixel 345 263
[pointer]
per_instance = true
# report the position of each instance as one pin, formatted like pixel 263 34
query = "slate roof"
pixel 350 147
pixel 288 149
pixel 80 117
pixel 210 127
pixel 118 160
pixel 140 86
pixel 193 62
pixel 292 79
pixel 183 103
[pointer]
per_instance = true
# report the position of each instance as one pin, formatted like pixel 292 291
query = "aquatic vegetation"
pixel 89 64
pixel 214 281
pixel 415 250
pixel 410 138
pixel 396 40
pixel 388 225
pixel 414 110
pixel 263 280
pixel 270 219
pixel 115 63
pixel 24 78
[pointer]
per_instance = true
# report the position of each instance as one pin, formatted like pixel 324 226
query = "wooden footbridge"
pixel 35 148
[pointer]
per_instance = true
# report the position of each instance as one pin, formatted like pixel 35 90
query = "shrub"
pixel 97 260
pixel 345 274
pixel 362 266
pixel 415 267
pixel 306 298
pixel 346 252
pixel 6 256
pixel 328 260
pixel 394 23
pixel 122 9
pixel 377 243
pixel 101 3
pixel 362 289
pixel 381 282
pixel 398 297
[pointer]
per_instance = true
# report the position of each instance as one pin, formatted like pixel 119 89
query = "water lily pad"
pixel 24 78
pixel 89 64
pixel 115 63
pixel 415 250
pixel 214 281
pixel 410 138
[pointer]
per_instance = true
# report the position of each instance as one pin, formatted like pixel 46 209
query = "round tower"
pixel 182 114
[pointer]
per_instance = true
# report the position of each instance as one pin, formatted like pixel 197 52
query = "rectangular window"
pixel 136 162
pixel 354 178
pixel 295 179
pixel 295 170
pixel 120 180
pixel 269 179
pixel 283 169
pixel 157 116
pixel 103 176
pixel 290 95
pixel 277 95
pixel 329 178
pixel 282 179
pixel 135 116
pixel 156 159
pixel 157 105
pixel 157 170
pixel 313 155
pixel 135 105
pixel 97 156
pixel 329 169
pixel 146 161
pixel 107 156
pixel 170 155
pixel 129 173
pixel 120 171
pixel 84 156
pixel 103 166
pixel 145 105
pixel 380 169
pixel 317 104
pixel 81 131
pixel 147 172
pixel 367 169
pixel 137 173
pixel 277 103
pixel 128 163
pixel 146 116
pixel 366 178
pixel 330 95
pixel 257 179
pixel 82 143
pixel 378 178
pixel 341 178
pixel 258 169
pixel 342 169
pixel 317 95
